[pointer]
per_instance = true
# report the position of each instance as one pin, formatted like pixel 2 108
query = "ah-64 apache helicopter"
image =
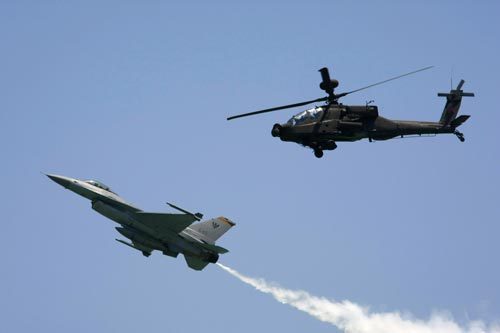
pixel 322 126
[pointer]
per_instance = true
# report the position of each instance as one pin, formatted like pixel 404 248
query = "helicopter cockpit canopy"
pixel 306 116
pixel 99 185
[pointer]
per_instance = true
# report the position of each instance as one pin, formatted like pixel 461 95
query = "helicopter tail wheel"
pixel 460 136
pixel 275 132
pixel 318 152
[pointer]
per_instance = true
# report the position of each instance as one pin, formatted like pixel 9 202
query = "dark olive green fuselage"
pixel 337 123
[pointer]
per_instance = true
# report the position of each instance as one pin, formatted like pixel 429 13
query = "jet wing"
pixel 165 223
pixel 195 263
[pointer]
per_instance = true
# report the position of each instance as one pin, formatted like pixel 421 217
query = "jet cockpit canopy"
pixel 306 116
pixel 99 185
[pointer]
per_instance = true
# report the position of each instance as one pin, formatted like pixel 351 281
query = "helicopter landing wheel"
pixel 318 153
pixel 460 136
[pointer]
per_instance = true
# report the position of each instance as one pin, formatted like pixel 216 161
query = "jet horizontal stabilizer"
pixel 214 248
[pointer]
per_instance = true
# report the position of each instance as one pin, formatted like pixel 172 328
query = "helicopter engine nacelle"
pixel 350 125
pixel 365 111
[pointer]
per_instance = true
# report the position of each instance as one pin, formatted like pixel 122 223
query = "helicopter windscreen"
pixel 306 116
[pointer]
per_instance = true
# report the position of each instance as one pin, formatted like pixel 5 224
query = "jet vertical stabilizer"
pixel 211 230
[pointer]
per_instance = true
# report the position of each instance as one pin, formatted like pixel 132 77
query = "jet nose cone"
pixel 63 181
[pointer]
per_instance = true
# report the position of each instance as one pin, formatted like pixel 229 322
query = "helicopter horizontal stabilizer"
pixel 459 121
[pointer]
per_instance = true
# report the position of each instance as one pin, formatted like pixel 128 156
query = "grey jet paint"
pixel 166 232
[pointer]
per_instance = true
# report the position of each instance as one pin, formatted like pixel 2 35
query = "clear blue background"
pixel 136 93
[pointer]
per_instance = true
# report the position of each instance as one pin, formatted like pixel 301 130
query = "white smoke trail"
pixel 352 318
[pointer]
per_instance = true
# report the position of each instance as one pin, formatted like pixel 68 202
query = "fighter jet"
pixel 170 233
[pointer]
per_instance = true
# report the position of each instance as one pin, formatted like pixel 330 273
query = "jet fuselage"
pixel 144 237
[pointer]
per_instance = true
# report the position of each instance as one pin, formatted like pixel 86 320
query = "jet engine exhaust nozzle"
pixel 212 257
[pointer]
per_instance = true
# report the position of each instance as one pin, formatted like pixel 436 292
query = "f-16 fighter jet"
pixel 170 233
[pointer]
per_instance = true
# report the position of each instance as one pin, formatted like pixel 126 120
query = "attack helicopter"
pixel 319 128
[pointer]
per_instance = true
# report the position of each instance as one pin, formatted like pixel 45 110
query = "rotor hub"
pixel 327 85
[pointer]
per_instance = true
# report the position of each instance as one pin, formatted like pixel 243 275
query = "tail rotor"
pixel 451 108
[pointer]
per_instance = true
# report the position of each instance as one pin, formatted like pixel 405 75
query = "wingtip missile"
pixel 197 216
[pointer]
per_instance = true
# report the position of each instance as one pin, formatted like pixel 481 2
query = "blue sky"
pixel 136 94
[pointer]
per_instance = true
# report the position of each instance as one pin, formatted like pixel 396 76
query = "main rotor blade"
pixel 279 108
pixel 392 78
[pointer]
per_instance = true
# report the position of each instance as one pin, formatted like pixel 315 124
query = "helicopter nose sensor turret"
pixel 275 132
